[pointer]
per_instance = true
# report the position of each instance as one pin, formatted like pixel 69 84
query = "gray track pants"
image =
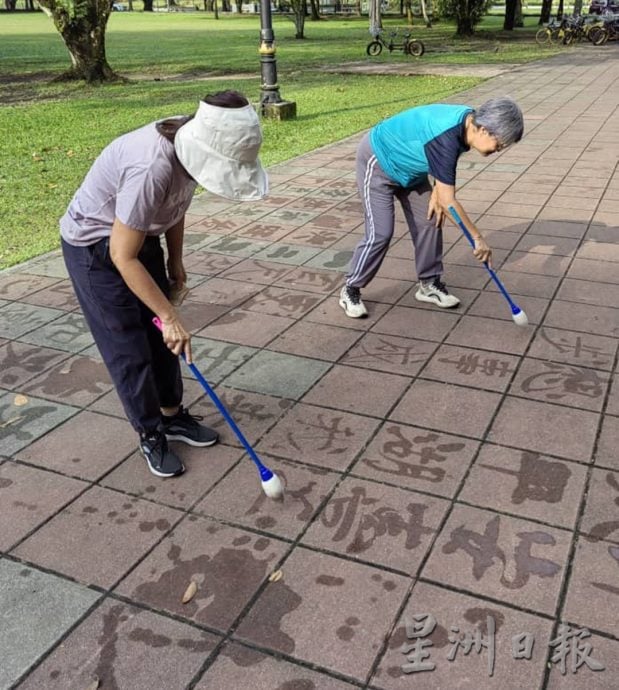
pixel 377 194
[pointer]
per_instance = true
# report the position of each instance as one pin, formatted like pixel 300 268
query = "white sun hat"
pixel 219 149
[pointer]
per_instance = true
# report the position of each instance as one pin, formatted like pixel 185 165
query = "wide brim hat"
pixel 219 148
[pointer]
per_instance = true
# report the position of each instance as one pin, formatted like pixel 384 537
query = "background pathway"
pixel 436 463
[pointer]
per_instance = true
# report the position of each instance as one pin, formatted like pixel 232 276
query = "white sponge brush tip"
pixel 520 319
pixel 273 487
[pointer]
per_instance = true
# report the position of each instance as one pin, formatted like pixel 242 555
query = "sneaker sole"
pixel 352 316
pixel 188 442
pixel 435 301
pixel 163 475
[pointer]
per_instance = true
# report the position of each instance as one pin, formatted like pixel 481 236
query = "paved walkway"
pixel 448 464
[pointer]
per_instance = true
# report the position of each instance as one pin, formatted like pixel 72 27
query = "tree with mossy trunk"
pixel 82 24
pixel 467 13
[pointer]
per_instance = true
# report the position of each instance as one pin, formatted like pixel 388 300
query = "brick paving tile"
pixel 124 647
pixel 254 413
pixel 416 323
pixel 594 586
pixel 506 558
pixel 236 663
pixel 25 419
pixel 608 443
pixel 67 450
pixel 490 334
pixel 389 353
pixel 204 467
pixel 474 368
pixel 527 484
pixel 319 436
pixel 415 458
pixel 227 564
pixel 317 341
pixel 377 524
pixel 98 537
pixel 20 362
pixel 341 387
pixel 565 383
pixel 76 381
pixel 36 608
pixel 581 350
pixel 326 611
pixel 454 409
pixel 545 428
pixel 601 516
pixel 441 623
pixel 239 497
pixel 584 318
pixel 23 506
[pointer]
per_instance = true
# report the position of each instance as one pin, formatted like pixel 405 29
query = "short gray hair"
pixel 502 118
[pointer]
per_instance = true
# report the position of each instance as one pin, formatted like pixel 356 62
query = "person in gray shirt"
pixel 138 190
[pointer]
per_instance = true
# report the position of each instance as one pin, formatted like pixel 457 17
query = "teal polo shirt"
pixel 425 140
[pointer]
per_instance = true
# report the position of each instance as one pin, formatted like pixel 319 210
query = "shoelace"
pixel 154 441
pixel 354 294
pixel 440 286
pixel 184 415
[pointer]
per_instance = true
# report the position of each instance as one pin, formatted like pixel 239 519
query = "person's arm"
pixel 444 196
pixel 174 241
pixel 125 245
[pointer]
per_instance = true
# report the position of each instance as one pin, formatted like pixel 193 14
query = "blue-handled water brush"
pixel 518 315
pixel 271 483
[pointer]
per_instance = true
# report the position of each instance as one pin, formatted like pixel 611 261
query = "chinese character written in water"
pixel 474 641
pixel 469 364
pixel 575 348
pixel 559 380
pixel 568 643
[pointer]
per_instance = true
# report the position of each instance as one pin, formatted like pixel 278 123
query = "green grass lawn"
pixel 56 130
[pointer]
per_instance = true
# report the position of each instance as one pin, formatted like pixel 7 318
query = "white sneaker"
pixel 434 291
pixel 351 302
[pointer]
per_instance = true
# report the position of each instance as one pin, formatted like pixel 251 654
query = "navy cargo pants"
pixel 145 372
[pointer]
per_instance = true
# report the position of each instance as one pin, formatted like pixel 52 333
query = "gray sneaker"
pixel 351 302
pixel 435 292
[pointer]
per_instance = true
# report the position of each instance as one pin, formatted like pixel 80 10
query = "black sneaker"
pixel 162 462
pixel 185 427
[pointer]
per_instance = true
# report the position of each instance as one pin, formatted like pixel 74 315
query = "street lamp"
pixel 271 103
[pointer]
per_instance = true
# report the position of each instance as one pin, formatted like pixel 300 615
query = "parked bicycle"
pixel 409 45
pixel 551 33
pixel 609 31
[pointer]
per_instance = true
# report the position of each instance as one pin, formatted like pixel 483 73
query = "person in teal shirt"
pixel 394 161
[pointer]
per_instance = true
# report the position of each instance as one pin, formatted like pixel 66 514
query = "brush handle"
pixel 265 472
pixel 456 216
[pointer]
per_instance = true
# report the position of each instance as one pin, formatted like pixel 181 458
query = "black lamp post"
pixel 271 103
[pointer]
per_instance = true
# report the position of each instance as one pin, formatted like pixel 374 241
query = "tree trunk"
pixel 424 12
pixel 560 10
pixel 315 10
pixel 300 10
pixel 130 5
pixel 578 7
pixel 519 19
pixel 409 12
pixel 544 16
pixel 358 8
pixel 376 20
pixel 148 5
pixel 10 5
pixel 83 32
pixel 239 6
pixel 510 15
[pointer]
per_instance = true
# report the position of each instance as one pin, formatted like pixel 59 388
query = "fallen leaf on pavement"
pixel 190 592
